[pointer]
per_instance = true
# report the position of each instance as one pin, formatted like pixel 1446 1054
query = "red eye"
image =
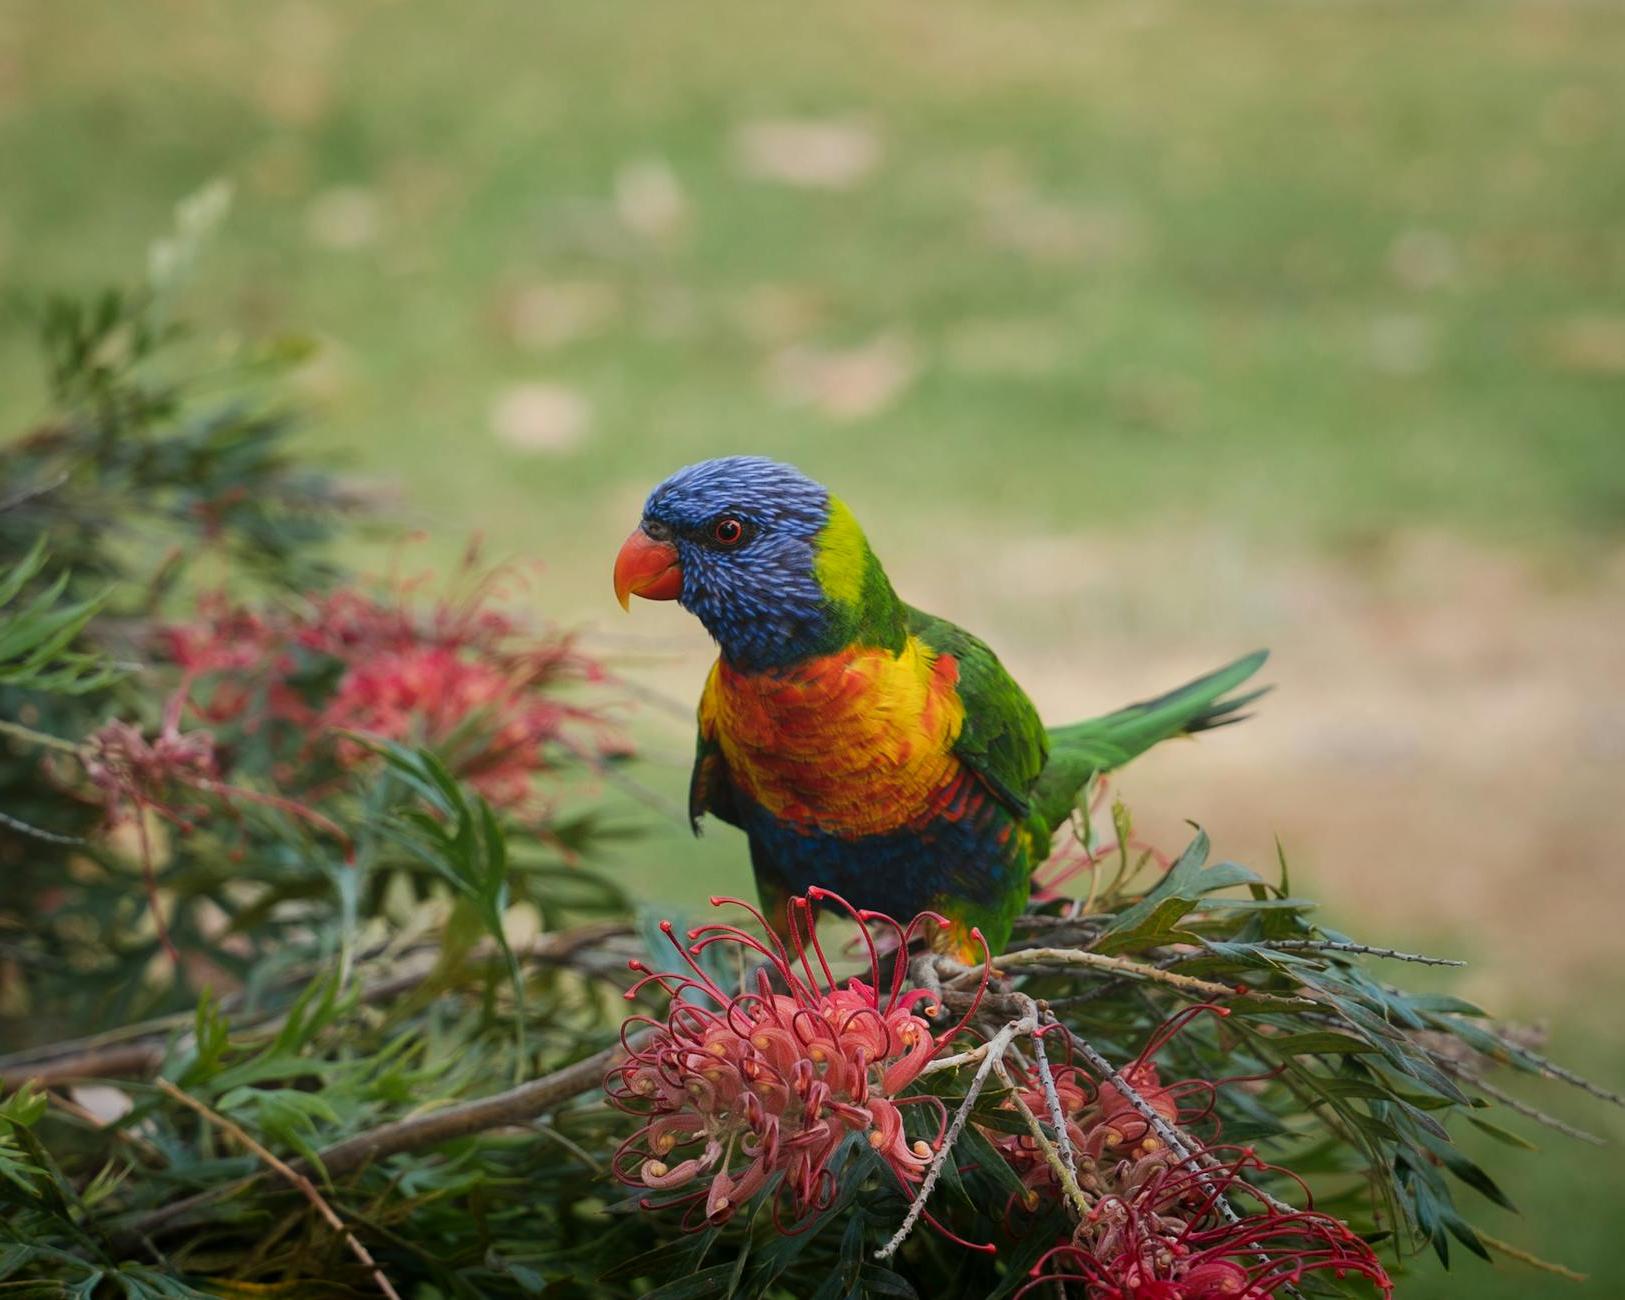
pixel 727 531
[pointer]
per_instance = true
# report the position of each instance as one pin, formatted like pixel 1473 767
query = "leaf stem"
pixel 994 1051
pixel 1050 957
pixel 302 1184
pixel 40 738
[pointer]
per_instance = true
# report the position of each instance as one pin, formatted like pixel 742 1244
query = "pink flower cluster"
pixel 133 775
pixel 485 720
pixel 1118 1148
pixel 1168 1241
pixel 1160 1225
pixel 342 667
pixel 737 1089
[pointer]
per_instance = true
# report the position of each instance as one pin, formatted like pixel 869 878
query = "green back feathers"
pixel 1036 774
pixel 1002 739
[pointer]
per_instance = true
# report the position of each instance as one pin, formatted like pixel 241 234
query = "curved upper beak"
pixel 647 568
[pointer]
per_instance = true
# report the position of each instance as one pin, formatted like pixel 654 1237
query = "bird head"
pixel 774 566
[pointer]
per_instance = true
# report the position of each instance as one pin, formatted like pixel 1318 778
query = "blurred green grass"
pixel 1568 1194
pixel 1302 273
pixel 1297 270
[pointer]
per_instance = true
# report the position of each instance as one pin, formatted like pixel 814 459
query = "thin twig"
pixel 39 833
pixel 515 1106
pixel 1363 949
pixel 558 947
pixel 1028 958
pixel 643 794
pixel 1539 1064
pixel 129 1060
pixel 302 1184
pixel 1064 1172
pixel 27 494
pixel 112 1056
pixel 995 1049
pixel 155 1027
pixel 1530 1112
pixel 1051 1097
pixel 28 957
pixel 94 1122
pixel 1171 1137
pixel 677 709
pixel 955 1061
pixel 1524 1257
pixel 1203 1169
pixel 512 1108
pixel 40 738
pixel 569 1144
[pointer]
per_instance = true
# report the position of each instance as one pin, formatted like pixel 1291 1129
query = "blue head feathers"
pixel 746 532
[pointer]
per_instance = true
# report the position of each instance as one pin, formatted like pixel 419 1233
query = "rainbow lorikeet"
pixel 862 745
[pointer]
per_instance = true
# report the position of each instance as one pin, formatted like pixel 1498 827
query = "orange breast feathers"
pixel 855 743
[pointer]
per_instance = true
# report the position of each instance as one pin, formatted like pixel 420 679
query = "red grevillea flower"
pixel 1160 1224
pixel 741 1090
pixel 1169 1241
pixel 481 718
pixel 451 673
pixel 133 775
pixel 235 649
pixel 1118 1149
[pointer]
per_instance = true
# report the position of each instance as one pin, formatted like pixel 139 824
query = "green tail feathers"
pixel 1079 751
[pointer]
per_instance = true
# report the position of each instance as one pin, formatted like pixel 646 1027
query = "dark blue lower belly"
pixel 973 859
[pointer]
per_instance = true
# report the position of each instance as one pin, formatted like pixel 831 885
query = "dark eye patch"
pixel 704 534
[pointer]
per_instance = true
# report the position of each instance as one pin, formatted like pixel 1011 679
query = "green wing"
pixel 1002 740
pixel 1079 751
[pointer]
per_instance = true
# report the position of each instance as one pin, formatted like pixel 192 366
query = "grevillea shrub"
pixel 322 680
pixel 276 720
pixel 1168 1242
pixel 1157 1198
pixel 777 1088
pixel 313 963
pixel 197 790
pixel 763 1085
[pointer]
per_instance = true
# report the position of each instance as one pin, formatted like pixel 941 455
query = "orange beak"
pixel 647 568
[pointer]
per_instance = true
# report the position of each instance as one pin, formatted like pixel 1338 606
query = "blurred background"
pixel 1136 334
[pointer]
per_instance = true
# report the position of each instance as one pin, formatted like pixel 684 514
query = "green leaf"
pixel 1504 1136
pixel 1323 1042
pixel 13 580
pixel 715 1280
pixel 876 1280
pixel 1186 879
pixel 1463 1231
pixel 842 1281
pixel 985 1156
pixel 681 1257
pixel 25 1107
pixel 1156 930
pixel 1456 1161
pixel 34 640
